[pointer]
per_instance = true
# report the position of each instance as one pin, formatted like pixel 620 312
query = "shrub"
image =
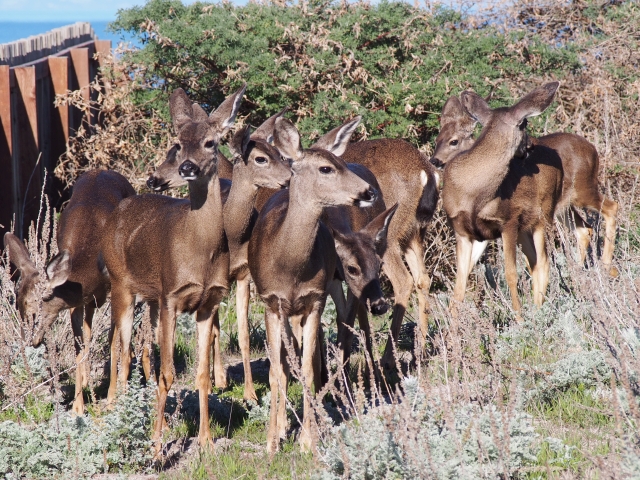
pixel 70 446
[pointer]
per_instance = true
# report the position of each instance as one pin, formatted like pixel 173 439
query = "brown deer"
pixel 494 189
pixel 292 260
pixel 73 279
pixel 408 179
pixel 258 172
pixel 174 252
pixel 580 164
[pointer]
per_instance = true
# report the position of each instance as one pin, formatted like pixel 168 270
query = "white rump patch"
pixel 424 178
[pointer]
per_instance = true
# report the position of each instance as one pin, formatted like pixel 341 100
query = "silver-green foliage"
pixel 417 438
pixel 71 446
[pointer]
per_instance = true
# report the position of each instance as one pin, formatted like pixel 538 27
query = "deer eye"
pixel 325 170
pixel 453 143
pixel 352 270
pixel 209 144
pixel 261 160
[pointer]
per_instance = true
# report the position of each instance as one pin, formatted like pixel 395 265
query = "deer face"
pixel 198 134
pixel 166 175
pixel 456 132
pixel 319 173
pixel 259 160
pixel 40 294
pixel 361 254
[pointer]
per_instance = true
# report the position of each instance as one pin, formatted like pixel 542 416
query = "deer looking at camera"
pixel 73 279
pixel 494 189
pixel 408 179
pixel 292 259
pixel 257 168
pixel 580 164
pixel 174 252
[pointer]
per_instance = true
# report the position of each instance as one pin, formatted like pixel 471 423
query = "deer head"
pixel 456 132
pixel 319 170
pixel 361 254
pixel 40 295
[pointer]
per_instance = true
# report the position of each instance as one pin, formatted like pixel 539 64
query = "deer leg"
pixel 122 304
pixel 273 325
pixel 242 311
pixel 583 234
pixel 345 326
pixel 167 338
pixel 148 347
pixel 464 250
pixel 309 337
pixel 415 259
pixel 335 291
pixel 205 319
pixel 609 211
pixel 77 315
pixel 525 239
pixel 509 237
pixel 219 372
pixel 402 284
pixel 542 270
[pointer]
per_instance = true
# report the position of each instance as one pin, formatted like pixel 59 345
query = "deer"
pixel 258 172
pixel 174 252
pixel 580 164
pixel 292 260
pixel 496 189
pixel 73 279
pixel 407 178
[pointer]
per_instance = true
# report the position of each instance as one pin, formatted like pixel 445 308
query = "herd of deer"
pixel 299 222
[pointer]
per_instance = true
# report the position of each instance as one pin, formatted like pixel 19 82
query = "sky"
pixel 62 10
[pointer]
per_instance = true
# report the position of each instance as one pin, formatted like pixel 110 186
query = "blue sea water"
pixel 11 31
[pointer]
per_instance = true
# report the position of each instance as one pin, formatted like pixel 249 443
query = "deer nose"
pixel 151 182
pixel 370 195
pixel 189 170
pixel 379 307
pixel 436 162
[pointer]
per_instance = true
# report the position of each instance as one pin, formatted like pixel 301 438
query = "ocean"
pixel 11 31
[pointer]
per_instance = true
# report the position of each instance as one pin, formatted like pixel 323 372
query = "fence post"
pixel 81 74
pixel 26 148
pixel 7 190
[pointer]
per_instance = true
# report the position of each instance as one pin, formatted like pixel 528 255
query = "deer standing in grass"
pixel 292 259
pixel 406 178
pixel 174 252
pixel 494 189
pixel 580 165
pixel 257 168
pixel 73 279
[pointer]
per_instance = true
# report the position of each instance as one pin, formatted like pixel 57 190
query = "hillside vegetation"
pixel 555 397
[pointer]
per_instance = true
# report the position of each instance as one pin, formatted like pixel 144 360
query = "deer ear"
pixel 198 113
pixel 265 131
pixel 452 111
pixel 535 102
pixel 19 255
pixel 180 107
pixel 59 269
pixel 337 140
pixel 225 115
pixel 378 228
pixel 476 106
pixel 286 139
pixel 239 143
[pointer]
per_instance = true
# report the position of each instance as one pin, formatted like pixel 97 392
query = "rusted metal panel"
pixel 59 68
pixel 6 179
pixel 80 81
pixel 103 49
pixel 26 147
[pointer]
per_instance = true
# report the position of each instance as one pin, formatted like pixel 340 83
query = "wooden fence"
pixel 33 132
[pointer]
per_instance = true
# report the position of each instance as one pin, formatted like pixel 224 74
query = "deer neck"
pixel 481 170
pixel 205 214
pixel 299 229
pixel 239 206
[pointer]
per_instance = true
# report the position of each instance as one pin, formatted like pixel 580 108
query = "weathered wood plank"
pixel 7 192
pixel 26 147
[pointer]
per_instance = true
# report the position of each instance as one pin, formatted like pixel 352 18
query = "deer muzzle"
pixel 189 170
pixel 367 198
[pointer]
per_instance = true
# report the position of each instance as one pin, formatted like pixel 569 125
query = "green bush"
pixel 390 62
